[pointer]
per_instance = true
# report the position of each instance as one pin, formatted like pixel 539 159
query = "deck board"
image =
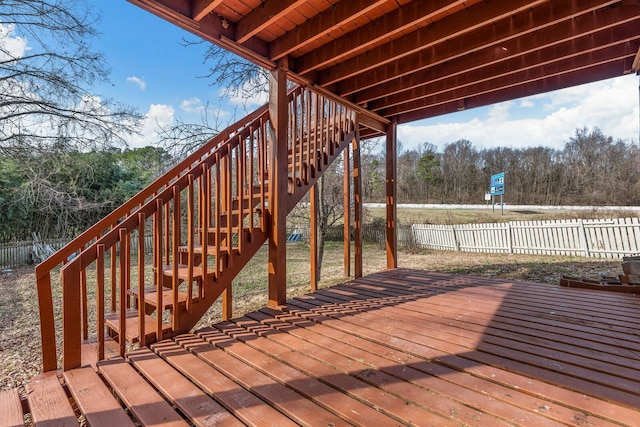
pixel 11 409
pixel 48 402
pixel 401 347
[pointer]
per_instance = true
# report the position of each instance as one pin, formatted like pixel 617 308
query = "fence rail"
pixel 599 238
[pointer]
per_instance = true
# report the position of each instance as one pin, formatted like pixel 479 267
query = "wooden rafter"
pixel 593 49
pixel 560 81
pixel 456 25
pixel 202 8
pixel 321 25
pixel 414 14
pixel 528 50
pixel 261 17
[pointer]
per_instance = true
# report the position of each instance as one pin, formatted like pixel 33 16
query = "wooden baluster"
pixel 227 197
pixel 158 239
pixel 112 264
pixel 190 232
pixel 100 299
pixel 124 255
pixel 167 233
pixel 174 255
pixel 307 138
pixel 251 178
pixel 47 322
pixel 262 166
pixel 205 189
pixel 141 280
pixel 218 215
pixel 85 304
pixel 240 171
pixel 300 137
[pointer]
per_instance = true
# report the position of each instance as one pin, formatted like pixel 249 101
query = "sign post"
pixel 497 188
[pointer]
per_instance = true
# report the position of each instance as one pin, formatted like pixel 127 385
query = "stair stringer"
pixel 215 285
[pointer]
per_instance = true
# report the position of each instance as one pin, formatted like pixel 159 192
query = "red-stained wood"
pixel 398 347
pixel 48 403
pixel 94 399
pixel 199 408
pixel 346 229
pixel 11 409
pixel 145 404
pixel 357 204
pixel 278 108
pixel 240 402
pixel 391 173
pixel 313 236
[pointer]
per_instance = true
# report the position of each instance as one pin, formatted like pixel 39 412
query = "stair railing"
pixel 220 188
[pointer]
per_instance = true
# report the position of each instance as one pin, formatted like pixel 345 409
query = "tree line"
pixel 591 169
pixel 63 193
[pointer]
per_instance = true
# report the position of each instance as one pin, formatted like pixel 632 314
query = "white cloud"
pixel 11 46
pixel 137 81
pixel 158 116
pixel 192 105
pixel 611 105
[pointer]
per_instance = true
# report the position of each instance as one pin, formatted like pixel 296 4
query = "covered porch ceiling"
pixel 406 60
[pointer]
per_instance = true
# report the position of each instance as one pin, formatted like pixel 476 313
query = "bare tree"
pixel 47 69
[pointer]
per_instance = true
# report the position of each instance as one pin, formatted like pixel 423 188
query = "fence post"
pixel 509 238
pixel 455 239
pixel 585 239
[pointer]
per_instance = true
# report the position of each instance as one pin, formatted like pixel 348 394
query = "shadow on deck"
pixel 393 348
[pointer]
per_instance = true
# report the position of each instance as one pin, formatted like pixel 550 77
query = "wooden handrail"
pixel 229 171
pixel 43 270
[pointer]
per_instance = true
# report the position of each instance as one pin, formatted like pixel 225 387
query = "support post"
pixel 391 196
pixel 313 235
pixel 278 123
pixel 357 200
pixel 347 214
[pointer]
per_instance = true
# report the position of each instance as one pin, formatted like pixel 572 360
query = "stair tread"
pixel 150 298
pixel 211 249
pixel 183 271
pixel 131 334
pixel 94 399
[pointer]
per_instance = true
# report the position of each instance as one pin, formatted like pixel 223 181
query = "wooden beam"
pixel 464 22
pixel 391 196
pixel 592 47
pixel 357 203
pixel 405 18
pixel 337 16
pixel 263 16
pixel 346 202
pixel 451 60
pixel 278 124
pixel 202 8
pixel 439 50
pixel 586 60
pixel 573 78
pixel 313 235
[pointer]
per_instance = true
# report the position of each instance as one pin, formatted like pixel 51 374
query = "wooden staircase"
pixel 201 225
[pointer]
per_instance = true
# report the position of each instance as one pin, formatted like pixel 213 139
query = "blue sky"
pixel 153 72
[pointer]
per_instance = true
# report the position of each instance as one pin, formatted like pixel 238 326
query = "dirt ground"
pixel 19 324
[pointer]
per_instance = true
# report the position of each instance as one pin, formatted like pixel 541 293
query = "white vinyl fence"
pixel 598 238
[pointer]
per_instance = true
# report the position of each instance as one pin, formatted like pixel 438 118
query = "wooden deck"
pixel 394 348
